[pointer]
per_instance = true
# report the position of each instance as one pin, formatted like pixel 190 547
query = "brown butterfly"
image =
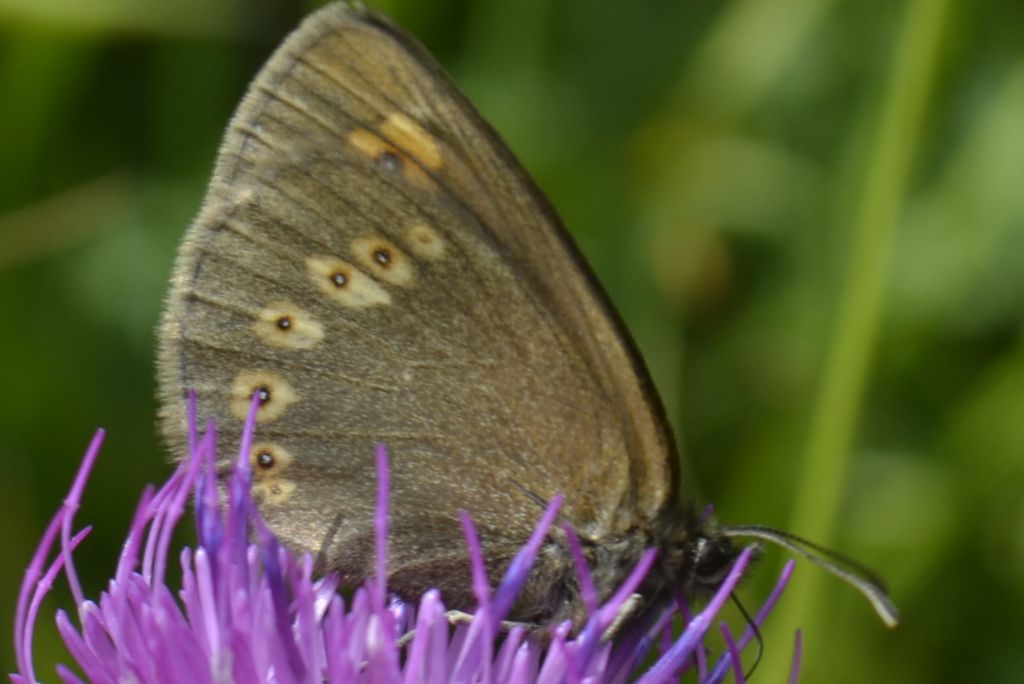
pixel 372 259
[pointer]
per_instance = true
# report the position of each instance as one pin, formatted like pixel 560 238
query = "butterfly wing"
pixel 373 259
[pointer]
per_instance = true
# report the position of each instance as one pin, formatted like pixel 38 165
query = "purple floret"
pixel 248 610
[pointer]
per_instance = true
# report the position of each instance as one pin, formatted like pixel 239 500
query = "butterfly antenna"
pixel 755 630
pixel 855 574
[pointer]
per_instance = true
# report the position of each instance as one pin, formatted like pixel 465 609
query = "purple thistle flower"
pixel 250 611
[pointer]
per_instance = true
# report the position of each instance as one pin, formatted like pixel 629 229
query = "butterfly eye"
pixel 712 559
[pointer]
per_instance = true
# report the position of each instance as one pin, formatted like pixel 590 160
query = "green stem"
pixel 826 462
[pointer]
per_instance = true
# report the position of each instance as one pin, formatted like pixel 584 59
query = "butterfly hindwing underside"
pixel 373 259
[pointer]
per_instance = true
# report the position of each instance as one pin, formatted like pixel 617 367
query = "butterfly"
pixel 376 265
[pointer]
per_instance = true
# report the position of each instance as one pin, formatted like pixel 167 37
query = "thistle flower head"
pixel 248 610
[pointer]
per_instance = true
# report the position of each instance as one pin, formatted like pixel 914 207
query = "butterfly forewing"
pixel 372 257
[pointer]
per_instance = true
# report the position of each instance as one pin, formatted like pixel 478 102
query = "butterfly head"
pixel 711 557
pixel 695 555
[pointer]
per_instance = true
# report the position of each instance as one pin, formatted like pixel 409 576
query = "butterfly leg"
pixel 458 617
pixel 629 609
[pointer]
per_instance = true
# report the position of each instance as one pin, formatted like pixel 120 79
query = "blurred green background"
pixel 811 214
